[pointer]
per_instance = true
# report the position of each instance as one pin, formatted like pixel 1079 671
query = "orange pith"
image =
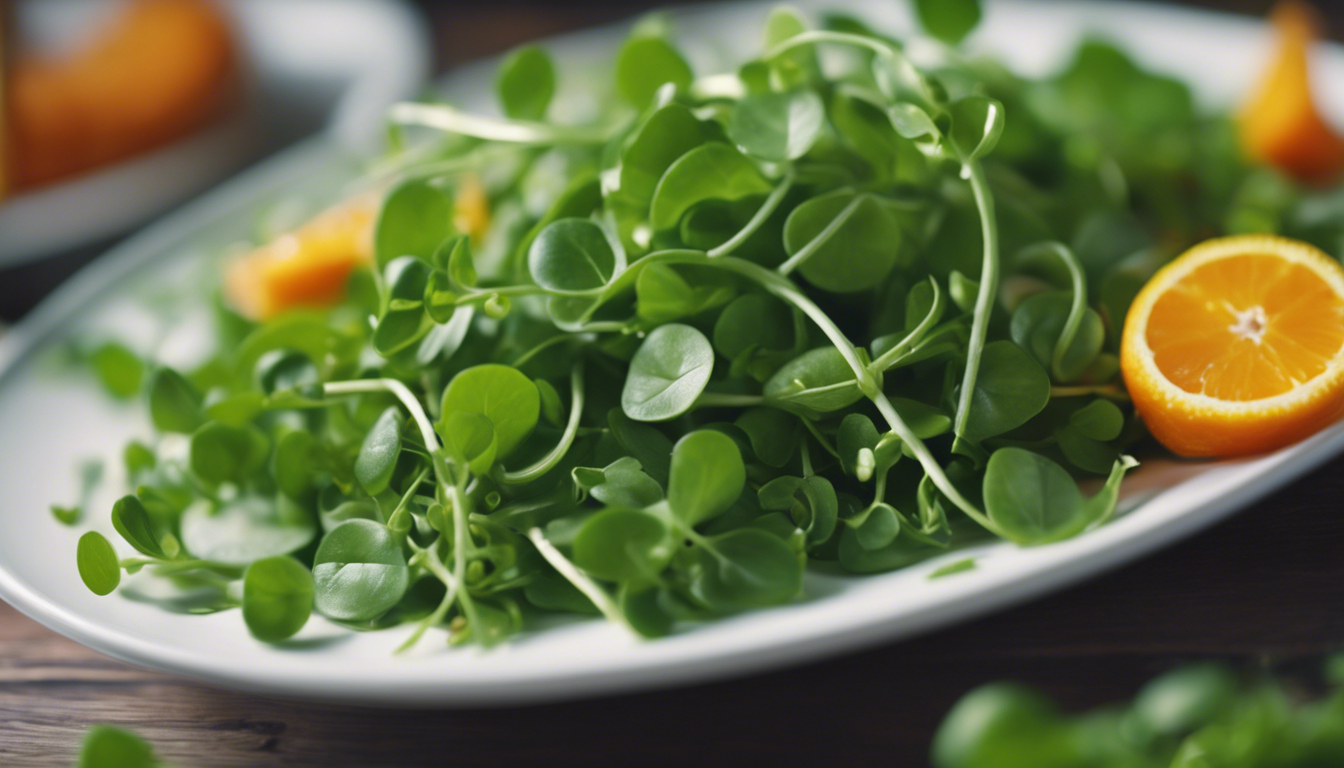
pixel 1237 347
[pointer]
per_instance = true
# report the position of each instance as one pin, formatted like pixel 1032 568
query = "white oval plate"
pixel 50 421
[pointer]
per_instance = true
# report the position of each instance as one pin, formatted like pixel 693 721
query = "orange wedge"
pixel 1237 346
pixel 1280 124
pixel 308 267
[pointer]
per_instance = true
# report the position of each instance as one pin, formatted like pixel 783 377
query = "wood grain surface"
pixel 1264 589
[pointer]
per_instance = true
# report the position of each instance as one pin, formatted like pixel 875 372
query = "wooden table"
pixel 1264 588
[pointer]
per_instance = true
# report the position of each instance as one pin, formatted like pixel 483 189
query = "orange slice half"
pixel 1237 346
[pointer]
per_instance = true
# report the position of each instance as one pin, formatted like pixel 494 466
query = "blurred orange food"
pixel 1280 124
pixel 308 267
pixel 161 70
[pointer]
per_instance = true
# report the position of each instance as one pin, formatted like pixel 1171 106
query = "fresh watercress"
pixel 732 324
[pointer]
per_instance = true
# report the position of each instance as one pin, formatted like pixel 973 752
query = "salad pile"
pixel 851 304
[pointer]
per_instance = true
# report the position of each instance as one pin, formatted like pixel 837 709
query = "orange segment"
pixel 1280 125
pixel 1237 347
pixel 307 267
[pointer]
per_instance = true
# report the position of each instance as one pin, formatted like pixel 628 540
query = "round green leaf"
pixel 670 132
pixel 220 453
pixel 572 255
pixel 977 123
pixel 132 521
pixel 644 64
pixel 416 217
pixel 1010 388
pixel 359 572
pixel 713 171
pixel 819 379
pixel 378 454
pixel 854 255
pixel 707 476
pixel 108 747
pixel 667 373
pixel 501 394
pixel 624 545
pixel 245 529
pixel 119 369
pixel 277 598
pixel 98 565
pixel 1031 498
pixel 526 83
pixel 174 404
pixel 746 568
pixel 777 126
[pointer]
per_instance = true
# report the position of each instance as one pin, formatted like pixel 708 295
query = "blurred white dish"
pixel 51 423
pixel 309 64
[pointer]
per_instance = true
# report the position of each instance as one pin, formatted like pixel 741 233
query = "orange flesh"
pixel 1245 328
pixel 306 268
pixel 1280 124
pixel 162 70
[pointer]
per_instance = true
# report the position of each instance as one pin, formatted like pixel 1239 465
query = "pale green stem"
pixel 984 300
pixel 427 558
pixel 767 208
pixel 579 579
pixel 1076 309
pixel 903 346
pixel 822 237
pixel 547 462
pixel 721 400
pixel 451 120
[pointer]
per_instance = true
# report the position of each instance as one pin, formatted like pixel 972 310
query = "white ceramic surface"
pixel 361 58
pixel 49 421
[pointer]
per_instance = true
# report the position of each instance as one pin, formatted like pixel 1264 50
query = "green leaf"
pixel 461 264
pixel 403 320
pixel 948 20
pixel 359 572
pixel 707 476
pixel 1031 498
pixel 470 438
pixel 1011 388
pixel 378 454
pixel 977 124
pixel 108 747
pixel 663 295
pixel 220 453
pixel 295 463
pixel 912 122
pixel 1038 326
pixel 525 83
pixel 98 565
pixel 773 434
pixel 1099 420
pixel 667 373
pixel 501 394
pixel 644 442
pixel 670 132
pixel 625 484
pixel 810 503
pixel 746 568
pixel 245 529
pixel 644 64
pixel 820 380
pixel 277 598
pixel 132 521
pixel 713 171
pixel 572 255
pixel 777 127
pixel 624 545
pixel 416 217
pixel 859 240
pixel 119 369
pixel 856 434
pixel 174 404
pixel 879 529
